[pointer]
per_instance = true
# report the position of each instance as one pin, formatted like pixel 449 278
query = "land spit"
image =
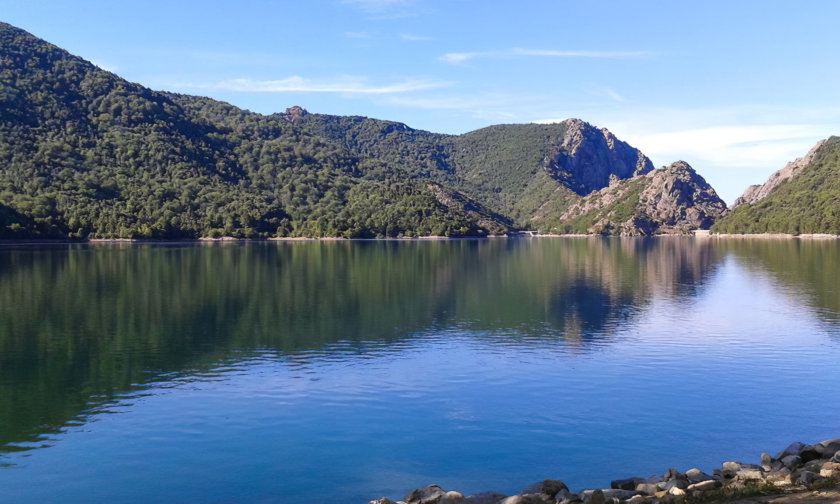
pixel 802 473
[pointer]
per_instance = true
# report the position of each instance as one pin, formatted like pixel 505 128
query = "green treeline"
pixel 807 203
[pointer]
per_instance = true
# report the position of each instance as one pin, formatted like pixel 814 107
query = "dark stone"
pixel 485 498
pixel 681 483
pixel 647 488
pixel 619 494
pixel 830 448
pixel 807 477
pixel 594 497
pixel 672 474
pixel 792 449
pixel 427 495
pixel 626 484
pixel 809 453
pixel 549 487
pixel 791 461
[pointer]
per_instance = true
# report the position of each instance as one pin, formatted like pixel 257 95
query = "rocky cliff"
pixel 674 199
pixel 757 192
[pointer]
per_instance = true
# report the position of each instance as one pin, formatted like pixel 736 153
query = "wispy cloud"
pixel 384 9
pixel 414 38
pixel 357 35
pixel 456 58
pixel 297 84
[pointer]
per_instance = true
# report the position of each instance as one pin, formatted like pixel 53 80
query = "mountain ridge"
pixel 86 154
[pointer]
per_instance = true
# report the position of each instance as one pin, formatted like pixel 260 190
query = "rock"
pixel 766 461
pixel 749 474
pixel 755 193
pixel 674 483
pixel 672 474
pixel 807 477
pixel 647 488
pixel 485 498
pixel 549 487
pixel 792 449
pixel 774 476
pixel 563 496
pixel 830 470
pixel 830 448
pixel 676 491
pixel 626 484
pixel 697 476
pixel 636 499
pixel 382 500
pixel 731 466
pixel 836 457
pixel 452 498
pixel 660 494
pixel 809 453
pixel 594 497
pixel 703 486
pixel 427 495
pixel 527 499
pixel 618 494
pixel 791 461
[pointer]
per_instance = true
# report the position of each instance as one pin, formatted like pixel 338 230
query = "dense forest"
pixel 806 203
pixel 86 154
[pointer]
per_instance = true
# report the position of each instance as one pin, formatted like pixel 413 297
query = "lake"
pixel 316 372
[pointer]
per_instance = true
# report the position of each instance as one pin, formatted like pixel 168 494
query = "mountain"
pixel 86 154
pixel 803 197
pixel 669 200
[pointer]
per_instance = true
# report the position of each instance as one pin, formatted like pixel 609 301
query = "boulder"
pixel 549 487
pixel 731 466
pixel 647 488
pixel 676 491
pixel 682 484
pixel 792 449
pixel 636 499
pixel 626 484
pixel 427 495
pixel 766 461
pixel 564 495
pixel 618 494
pixel 696 476
pixel 830 470
pixel 749 474
pixel 809 453
pixel 527 499
pixel 774 476
pixel 672 474
pixel 791 461
pixel 830 448
pixel 452 498
pixel 807 477
pixel 593 497
pixel 703 486
pixel 836 457
pixel 382 500
pixel 485 498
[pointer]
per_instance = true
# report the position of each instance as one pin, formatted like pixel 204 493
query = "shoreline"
pixel 699 234
pixel 800 473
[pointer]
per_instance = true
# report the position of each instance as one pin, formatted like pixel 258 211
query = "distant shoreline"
pixel 702 234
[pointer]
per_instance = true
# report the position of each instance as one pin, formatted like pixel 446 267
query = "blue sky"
pixel 737 89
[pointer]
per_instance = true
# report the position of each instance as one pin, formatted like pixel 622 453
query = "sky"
pixel 736 88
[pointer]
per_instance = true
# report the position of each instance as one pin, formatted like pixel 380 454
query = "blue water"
pixel 342 372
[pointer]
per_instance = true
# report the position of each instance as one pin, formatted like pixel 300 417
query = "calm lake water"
pixel 340 372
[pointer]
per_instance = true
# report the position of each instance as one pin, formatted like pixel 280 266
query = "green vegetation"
pixel 806 203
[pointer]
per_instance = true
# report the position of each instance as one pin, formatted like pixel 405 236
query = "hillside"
pixel 803 197
pixel 669 200
pixel 86 154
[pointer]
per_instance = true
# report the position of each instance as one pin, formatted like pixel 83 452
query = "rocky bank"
pixel 800 470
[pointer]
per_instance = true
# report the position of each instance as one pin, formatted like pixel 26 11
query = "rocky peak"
pixel 755 193
pixel 294 113
pixel 588 157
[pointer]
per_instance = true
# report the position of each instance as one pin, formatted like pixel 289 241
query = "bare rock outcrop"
pixel 755 193
pixel 588 157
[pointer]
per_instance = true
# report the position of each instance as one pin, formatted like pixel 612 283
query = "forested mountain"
pixel 803 197
pixel 86 154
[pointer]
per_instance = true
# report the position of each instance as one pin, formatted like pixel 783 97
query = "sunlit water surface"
pixel 341 372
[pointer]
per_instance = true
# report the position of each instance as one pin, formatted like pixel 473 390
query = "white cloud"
pixel 460 57
pixel 415 38
pixel 297 84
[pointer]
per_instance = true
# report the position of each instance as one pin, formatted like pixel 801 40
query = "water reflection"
pixel 82 325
